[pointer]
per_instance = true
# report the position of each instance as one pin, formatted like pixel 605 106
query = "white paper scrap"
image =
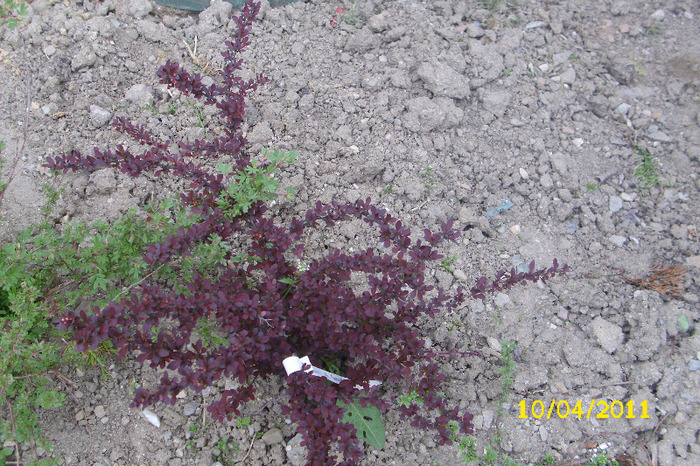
pixel 293 364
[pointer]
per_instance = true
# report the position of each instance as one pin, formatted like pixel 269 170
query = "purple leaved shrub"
pixel 268 308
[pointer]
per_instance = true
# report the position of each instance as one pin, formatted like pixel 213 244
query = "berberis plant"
pixel 263 304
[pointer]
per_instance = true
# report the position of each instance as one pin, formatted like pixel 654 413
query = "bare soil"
pixel 526 122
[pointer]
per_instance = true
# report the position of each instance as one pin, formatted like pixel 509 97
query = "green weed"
pixel 646 168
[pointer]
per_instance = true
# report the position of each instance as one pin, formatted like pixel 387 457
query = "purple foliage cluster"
pixel 267 308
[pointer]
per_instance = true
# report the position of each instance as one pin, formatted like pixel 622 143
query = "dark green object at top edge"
pixel 199 5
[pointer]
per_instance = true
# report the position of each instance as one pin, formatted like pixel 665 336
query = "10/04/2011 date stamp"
pixel 599 409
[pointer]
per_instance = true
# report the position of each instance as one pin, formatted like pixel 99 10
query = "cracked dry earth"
pixel 565 129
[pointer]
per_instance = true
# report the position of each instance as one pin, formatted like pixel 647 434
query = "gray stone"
pixel 615 204
pixel 425 115
pixel 272 437
pixel 659 136
pixel 568 76
pixel 100 411
pixel 140 94
pixel 546 181
pixel 561 57
pixel 693 365
pixel 296 454
pixel 99 116
pixel 495 101
pixel 190 408
pixel 443 81
pixel 618 240
pixel 153 32
pixel 378 23
pixel 362 41
pixel 84 58
pixel 474 30
pixel 608 334
pixel 260 134
pixel 140 8
pixel 215 16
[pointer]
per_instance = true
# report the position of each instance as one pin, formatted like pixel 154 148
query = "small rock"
pixel 515 229
pixel 523 174
pixel 99 116
pixel 151 417
pixel 615 204
pixel 459 275
pixel 502 300
pixel 568 76
pixel 693 365
pixel 474 30
pixel 617 240
pixel 140 94
pixel 84 58
pixel 659 136
pixel 494 344
pixel 100 411
pixel 561 57
pixel 578 142
pixel 495 101
pixel 49 50
pixel 190 408
pixel 609 335
pixel 658 15
pixel 140 8
pixel 534 25
pixel 296 454
pixel 272 437
pixel 80 415
pixel 443 81
pixel 378 23
pixel 546 181
pixel 693 261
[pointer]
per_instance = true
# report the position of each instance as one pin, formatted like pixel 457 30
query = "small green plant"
pixel 255 183
pixel 172 107
pixel 227 451
pixel 447 262
pixel 602 460
pixel 646 168
pixel 386 191
pixel 243 421
pixel 430 177
pixel 407 400
pixel 11 13
pixel 654 30
pixel 590 186
pixel 152 108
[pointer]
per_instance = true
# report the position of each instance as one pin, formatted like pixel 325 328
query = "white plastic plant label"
pixel 293 364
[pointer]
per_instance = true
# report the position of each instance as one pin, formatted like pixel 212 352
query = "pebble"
pixel 568 76
pixel 100 411
pixel 618 240
pixel 659 136
pixel 460 275
pixel 546 181
pixel 693 365
pixel 99 116
pixel 49 50
pixel 523 174
pixel 190 408
pixel 139 94
pixel 609 335
pixel 151 417
pixel 693 261
pixel 615 204
pixel 515 229
pixel 534 24
pixel 572 226
pixel 628 197
pixel 658 15
pixel 494 344
pixel 272 437
pixel 578 142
